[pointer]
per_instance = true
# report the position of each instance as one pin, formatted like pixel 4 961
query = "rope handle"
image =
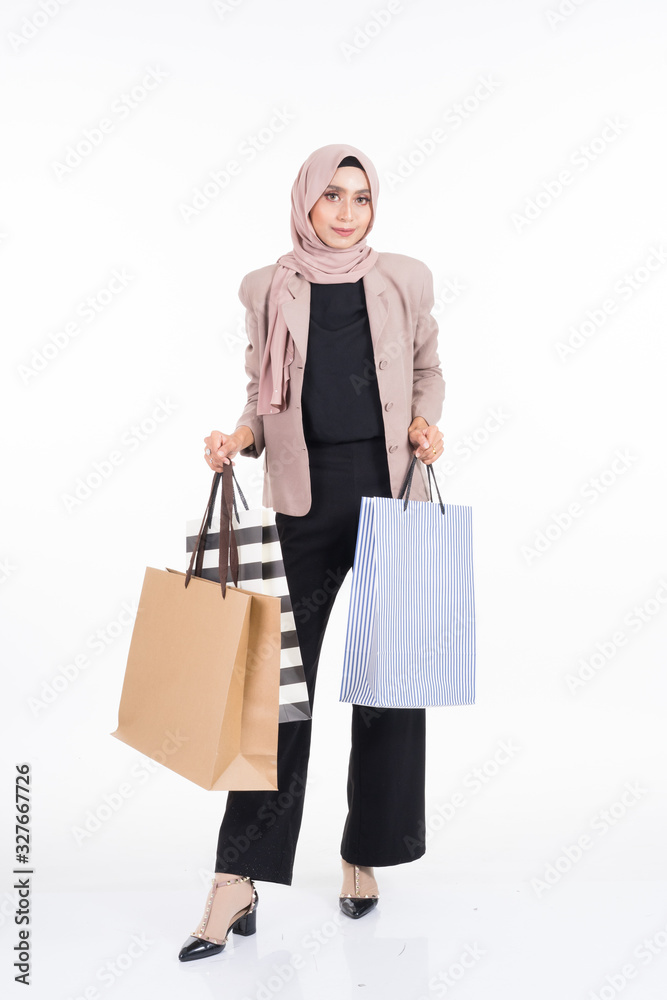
pixel 228 558
pixel 407 483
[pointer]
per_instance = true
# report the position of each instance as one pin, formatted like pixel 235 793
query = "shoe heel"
pixel 246 925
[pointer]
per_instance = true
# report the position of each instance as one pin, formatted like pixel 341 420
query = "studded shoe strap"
pixel 244 878
pixel 357 890
pixel 216 885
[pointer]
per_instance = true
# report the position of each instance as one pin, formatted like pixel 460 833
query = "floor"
pixel 594 941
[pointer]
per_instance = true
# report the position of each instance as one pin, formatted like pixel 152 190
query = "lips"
pixel 343 232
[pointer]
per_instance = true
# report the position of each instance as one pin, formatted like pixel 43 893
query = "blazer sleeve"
pixel 253 353
pixel 428 386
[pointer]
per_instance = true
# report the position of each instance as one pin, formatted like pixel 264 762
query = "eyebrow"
pixel 335 187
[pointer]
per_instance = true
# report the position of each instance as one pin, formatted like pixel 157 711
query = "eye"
pixel 331 194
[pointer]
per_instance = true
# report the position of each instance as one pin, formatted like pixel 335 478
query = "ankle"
pixel 358 880
pixel 233 879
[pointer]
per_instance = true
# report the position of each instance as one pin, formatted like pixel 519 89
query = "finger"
pixel 214 461
pixel 425 445
pixel 212 441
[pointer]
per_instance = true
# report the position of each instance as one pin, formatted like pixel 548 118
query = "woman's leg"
pixel 259 830
pixel 386 776
pixel 385 788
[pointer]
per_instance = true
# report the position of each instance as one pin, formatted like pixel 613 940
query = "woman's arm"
pixel 428 386
pixel 247 437
pixel 249 419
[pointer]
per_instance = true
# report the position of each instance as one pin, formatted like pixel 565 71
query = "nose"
pixel 345 211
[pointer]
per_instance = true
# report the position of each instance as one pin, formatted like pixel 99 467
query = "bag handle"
pixel 228 549
pixel 243 499
pixel 407 483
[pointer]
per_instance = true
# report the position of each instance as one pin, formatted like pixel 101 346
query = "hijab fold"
pixel 314 260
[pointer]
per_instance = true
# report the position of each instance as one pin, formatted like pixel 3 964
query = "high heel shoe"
pixel 355 904
pixel 198 945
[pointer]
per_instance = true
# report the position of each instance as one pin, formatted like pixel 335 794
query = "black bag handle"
pixel 228 558
pixel 407 483
pixel 243 499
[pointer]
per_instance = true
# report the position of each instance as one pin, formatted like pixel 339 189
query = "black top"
pixel 340 396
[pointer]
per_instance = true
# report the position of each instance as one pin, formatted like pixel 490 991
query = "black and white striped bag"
pixel 261 570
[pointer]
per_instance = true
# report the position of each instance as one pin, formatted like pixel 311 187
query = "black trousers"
pixel 385 785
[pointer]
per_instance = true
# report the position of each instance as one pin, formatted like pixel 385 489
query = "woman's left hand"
pixel 426 440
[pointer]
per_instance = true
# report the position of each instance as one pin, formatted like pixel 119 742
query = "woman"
pixel 345 386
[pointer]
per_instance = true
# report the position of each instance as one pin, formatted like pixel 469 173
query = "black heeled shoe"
pixel 356 905
pixel 198 945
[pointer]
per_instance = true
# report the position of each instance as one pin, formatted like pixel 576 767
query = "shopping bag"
pixel 261 570
pixel 200 693
pixel 410 638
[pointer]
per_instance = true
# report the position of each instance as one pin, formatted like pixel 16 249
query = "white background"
pixel 175 334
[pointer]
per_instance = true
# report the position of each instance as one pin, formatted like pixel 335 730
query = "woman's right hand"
pixel 224 447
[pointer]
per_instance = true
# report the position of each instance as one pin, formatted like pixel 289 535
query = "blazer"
pixel 399 299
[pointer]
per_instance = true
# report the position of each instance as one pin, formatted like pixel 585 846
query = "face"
pixel 342 214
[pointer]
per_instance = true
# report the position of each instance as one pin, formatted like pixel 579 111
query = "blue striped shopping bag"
pixel 410 640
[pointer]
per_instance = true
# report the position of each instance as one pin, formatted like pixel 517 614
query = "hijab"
pixel 313 259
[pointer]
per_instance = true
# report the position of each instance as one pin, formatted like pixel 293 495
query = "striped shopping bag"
pixel 410 640
pixel 260 569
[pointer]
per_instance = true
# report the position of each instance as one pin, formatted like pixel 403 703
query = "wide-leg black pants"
pixel 385 786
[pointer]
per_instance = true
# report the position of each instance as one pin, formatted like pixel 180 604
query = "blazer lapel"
pixel 297 312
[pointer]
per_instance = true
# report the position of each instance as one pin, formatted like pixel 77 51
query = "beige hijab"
pixel 312 258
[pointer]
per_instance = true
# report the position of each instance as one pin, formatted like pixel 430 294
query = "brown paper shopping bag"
pixel 201 684
pixel 201 688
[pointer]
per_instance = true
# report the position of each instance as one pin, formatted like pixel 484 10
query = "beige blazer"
pixel 399 299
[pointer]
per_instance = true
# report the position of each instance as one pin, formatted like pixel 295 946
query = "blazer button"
pixel 388 406
pixel 383 364
pixel 393 447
